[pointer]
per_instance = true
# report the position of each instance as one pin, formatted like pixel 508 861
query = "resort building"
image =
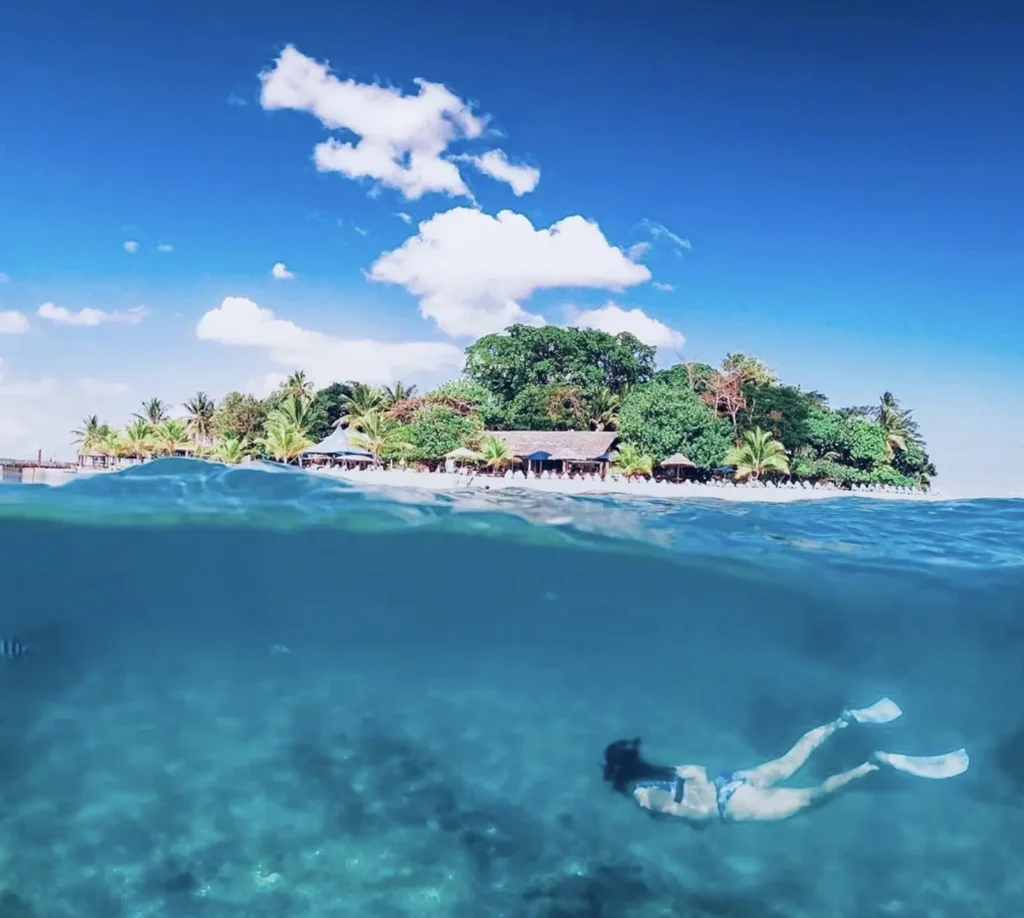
pixel 563 452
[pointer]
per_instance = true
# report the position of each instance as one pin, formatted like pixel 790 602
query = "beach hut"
pixel 677 462
pixel 337 445
pixel 560 450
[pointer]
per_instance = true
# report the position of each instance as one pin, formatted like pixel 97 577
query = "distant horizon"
pixel 202 201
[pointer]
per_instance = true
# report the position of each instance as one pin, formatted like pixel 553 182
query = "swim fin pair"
pixel 948 765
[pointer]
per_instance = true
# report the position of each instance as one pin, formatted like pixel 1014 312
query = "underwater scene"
pixel 254 692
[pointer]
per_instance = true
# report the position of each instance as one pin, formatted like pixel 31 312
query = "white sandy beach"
pixel 443 482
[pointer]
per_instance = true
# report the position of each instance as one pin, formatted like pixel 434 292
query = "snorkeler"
pixel 687 792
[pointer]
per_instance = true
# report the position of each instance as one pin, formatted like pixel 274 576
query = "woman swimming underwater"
pixel 687 792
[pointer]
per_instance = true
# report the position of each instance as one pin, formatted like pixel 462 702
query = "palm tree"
pixel 170 437
pixel 229 450
pixel 88 436
pixel 603 407
pixel 200 410
pixel 494 453
pixel 361 400
pixel 138 439
pixel 111 445
pixel 297 386
pixel 392 395
pixel 297 412
pixel 283 440
pixel 759 452
pixel 631 463
pixel 376 433
pixel 154 411
pixel 899 426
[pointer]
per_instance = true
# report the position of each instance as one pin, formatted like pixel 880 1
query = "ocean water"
pixel 254 692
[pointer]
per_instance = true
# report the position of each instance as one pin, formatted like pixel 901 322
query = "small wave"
pixel 169 492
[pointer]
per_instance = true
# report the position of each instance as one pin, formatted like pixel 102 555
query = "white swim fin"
pixel 927 766
pixel 881 712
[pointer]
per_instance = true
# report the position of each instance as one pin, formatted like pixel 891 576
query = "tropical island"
pixel 737 419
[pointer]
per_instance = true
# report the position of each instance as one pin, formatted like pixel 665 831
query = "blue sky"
pixel 848 186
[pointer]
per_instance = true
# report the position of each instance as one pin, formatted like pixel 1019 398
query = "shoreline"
pixel 446 482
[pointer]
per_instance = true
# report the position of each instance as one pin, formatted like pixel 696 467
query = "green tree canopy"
pixel 688 375
pixel 784 411
pixel 327 408
pixel 505 364
pixel 436 431
pixel 241 417
pixel 660 419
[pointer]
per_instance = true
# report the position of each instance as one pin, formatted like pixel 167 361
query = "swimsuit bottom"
pixel 726 785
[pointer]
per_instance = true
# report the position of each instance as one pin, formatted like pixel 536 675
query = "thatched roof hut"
pixel 560 445
pixel 679 461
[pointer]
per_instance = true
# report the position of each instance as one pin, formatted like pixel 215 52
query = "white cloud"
pixel 614 319
pixel 235 99
pixel 401 137
pixel 131 246
pixel 165 247
pixel 242 323
pixel 280 272
pixel 360 230
pixel 405 218
pixel 33 414
pixel 100 388
pixel 91 317
pixel 637 251
pixel 470 270
pixel 13 323
pixel 521 179
pixel 658 285
pixel 660 231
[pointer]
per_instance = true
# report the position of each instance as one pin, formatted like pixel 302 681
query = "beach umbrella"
pixel 678 461
pixel 462 453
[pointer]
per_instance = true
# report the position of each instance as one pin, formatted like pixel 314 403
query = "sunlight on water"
pixel 255 692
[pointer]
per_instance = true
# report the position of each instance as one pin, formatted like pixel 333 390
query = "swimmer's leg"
pixel 773 804
pixel 785 767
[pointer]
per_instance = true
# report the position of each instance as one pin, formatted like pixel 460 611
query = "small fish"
pixel 12 648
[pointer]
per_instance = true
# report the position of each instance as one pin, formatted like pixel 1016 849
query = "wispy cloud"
pixel 100 388
pixel 660 231
pixel 4 278
pixel 131 246
pixel 360 230
pixel 13 323
pixel 280 272
pixel 165 247
pixel 235 99
pixel 90 318
pixel 658 285
pixel 404 217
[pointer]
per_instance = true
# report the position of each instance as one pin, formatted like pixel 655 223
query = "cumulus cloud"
pixel 614 319
pixel 91 317
pixel 658 285
pixel 165 247
pixel 13 323
pixel 100 388
pixel 470 270
pixel 401 138
pixel 280 272
pixel 521 179
pixel 240 322
pixel 131 246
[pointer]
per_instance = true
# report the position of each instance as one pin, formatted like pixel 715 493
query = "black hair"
pixel 623 766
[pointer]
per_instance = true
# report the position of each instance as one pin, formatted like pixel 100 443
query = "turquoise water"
pixel 430 743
